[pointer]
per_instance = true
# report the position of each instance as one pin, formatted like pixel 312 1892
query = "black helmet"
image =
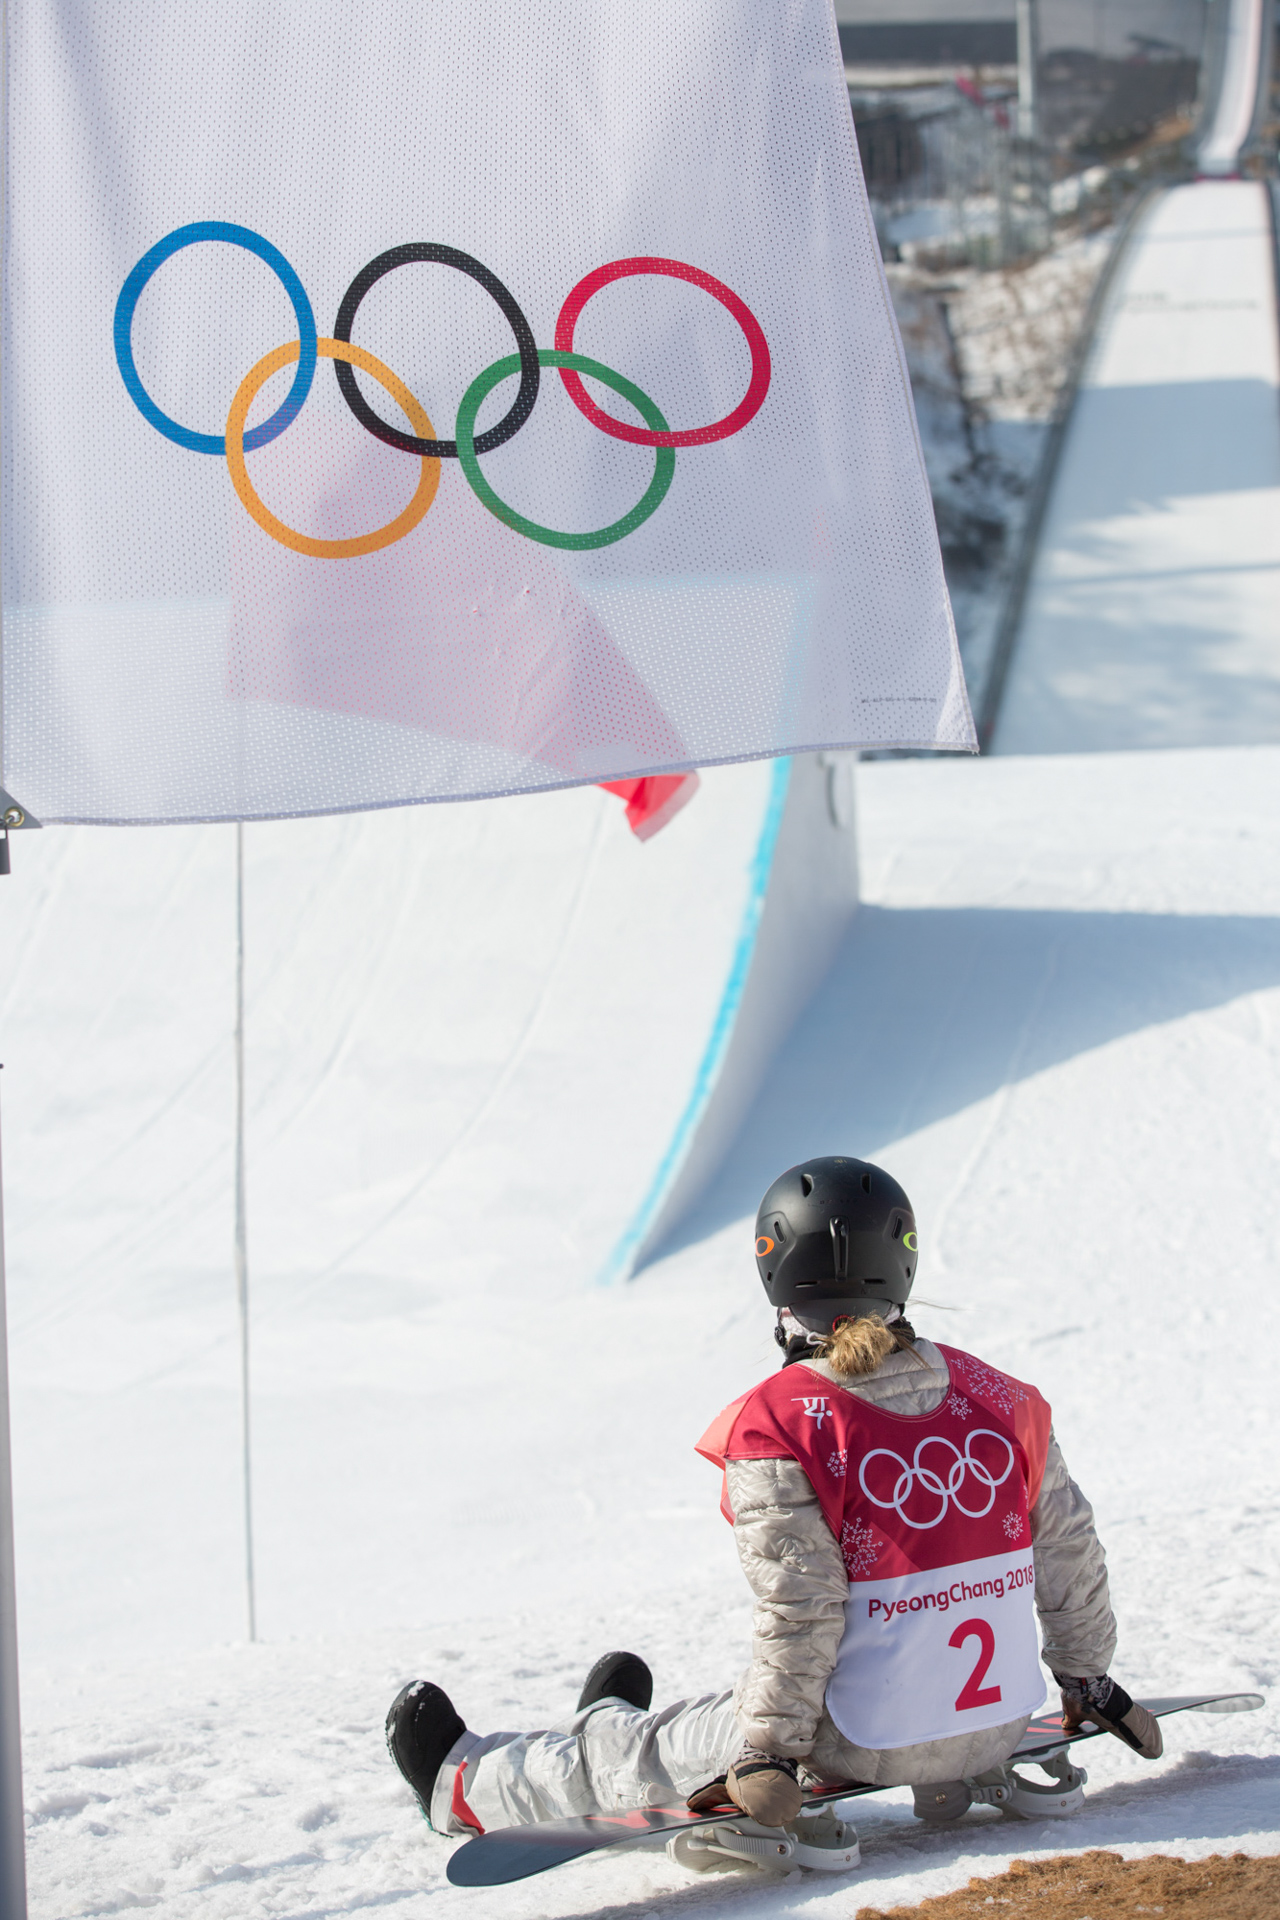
pixel 836 1237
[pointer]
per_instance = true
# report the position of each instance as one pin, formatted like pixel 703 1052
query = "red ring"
pixel 761 369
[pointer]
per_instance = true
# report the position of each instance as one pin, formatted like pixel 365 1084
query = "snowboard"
pixel 514 1853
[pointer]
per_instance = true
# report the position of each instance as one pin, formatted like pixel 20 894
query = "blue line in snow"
pixel 619 1262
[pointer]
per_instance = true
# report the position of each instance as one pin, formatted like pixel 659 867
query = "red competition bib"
pixel 932 1513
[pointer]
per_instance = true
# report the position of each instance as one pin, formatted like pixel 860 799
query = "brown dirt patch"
pixel 1103 1886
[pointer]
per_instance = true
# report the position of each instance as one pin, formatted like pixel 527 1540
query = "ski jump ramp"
pixel 1150 614
pixel 1240 97
pixel 1148 618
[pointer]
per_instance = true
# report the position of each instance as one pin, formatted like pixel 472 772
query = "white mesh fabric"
pixel 168 657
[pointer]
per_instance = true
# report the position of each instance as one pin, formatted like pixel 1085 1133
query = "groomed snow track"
pixel 1142 614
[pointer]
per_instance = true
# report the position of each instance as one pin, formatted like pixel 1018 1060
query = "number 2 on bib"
pixel 973 1693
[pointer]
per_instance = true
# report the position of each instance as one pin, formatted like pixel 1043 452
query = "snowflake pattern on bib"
pixel 1013 1524
pixel 838 1464
pixel 860 1546
pixel 958 1405
pixel 997 1388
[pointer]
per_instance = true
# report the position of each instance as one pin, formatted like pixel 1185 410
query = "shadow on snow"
pixel 926 1011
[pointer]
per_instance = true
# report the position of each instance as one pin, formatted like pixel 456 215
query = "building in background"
pixel 914 41
pixel 980 122
pixel 934 37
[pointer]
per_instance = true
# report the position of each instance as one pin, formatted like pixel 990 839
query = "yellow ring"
pixel 394 530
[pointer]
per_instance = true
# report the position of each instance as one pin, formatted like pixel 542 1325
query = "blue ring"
pixel 129 294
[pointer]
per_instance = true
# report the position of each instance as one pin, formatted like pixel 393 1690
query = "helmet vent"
pixel 897 1226
pixel 840 1248
pixel 778 1234
pixel 866 1183
pixel 806 1184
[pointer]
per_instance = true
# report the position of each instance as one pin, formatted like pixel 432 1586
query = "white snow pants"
pixel 607 1757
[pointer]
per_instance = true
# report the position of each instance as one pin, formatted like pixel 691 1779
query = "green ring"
pixel 464 432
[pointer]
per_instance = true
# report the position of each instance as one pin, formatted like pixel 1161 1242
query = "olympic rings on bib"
pixel 341 351
pixel 761 369
pixel 947 1492
pixel 664 466
pixel 528 361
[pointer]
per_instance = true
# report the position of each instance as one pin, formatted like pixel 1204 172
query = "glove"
pixel 1105 1702
pixel 766 1786
pixel 713 1798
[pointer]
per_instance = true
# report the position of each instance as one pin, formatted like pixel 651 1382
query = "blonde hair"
pixel 859 1345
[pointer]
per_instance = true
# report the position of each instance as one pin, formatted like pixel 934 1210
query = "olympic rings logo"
pixel 466 446
pixel 946 1492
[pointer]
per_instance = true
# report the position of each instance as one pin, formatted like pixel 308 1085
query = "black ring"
pixel 530 370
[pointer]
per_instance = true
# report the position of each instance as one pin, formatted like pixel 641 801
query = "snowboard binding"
pixel 820 1841
pixel 817 1840
pixel 1057 1799
pixel 1016 1795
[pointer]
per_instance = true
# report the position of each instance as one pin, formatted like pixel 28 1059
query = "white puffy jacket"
pixel 797 1574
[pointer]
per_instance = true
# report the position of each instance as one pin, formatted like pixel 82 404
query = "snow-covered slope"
pixel 1057 1018
pixel 482 1041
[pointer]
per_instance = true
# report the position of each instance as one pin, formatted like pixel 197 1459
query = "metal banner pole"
pixel 13 1863
pixel 242 1243
pixel 13 1837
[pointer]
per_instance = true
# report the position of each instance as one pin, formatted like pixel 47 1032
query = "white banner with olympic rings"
pixel 421 402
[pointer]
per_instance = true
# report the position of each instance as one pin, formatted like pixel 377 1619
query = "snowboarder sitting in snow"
pixel 902 1512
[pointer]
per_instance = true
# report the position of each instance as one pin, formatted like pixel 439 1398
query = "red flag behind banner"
pixel 653 800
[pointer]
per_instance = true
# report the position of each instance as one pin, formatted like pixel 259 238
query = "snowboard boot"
pixel 422 1726
pixel 618 1676
pixel 941 1801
